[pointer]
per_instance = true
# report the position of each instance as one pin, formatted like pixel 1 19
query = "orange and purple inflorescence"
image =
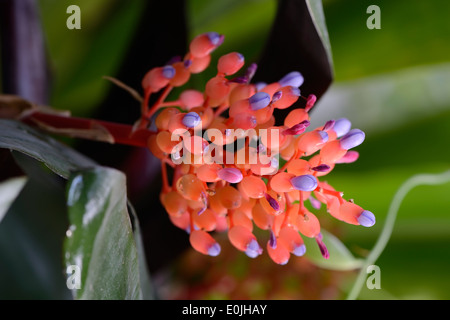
pixel 215 189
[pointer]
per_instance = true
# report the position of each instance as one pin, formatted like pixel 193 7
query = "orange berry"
pixel 190 187
pixel 279 254
pixel 240 106
pixel 299 167
pixel 196 145
pixel 204 243
pixel 182 74
pixel 270 89
pixel 230 63
pixel 332 152
pixel 176 124
pixel 239 218
pixel 319 167
pixel 174 203
pixel 312 141
pixel 154 148
pixel 229 197
pixel 204 44
pixel 206 220
pixel 208 172
pixel 199 64
pixel 261 218
pixel 217 90
pixel 191 98
pixel 164 141
pixel 281 182
pixel 216 205
pixel 271 207
pixel 164 117
pixel 241 92
pixel 253 187
pixel 247 205
pixel 182 221
pixel 242 238
pixel 296 116
pixel 289 95
pixel 292 240
pixel 158 78
pixel 308 224
pixel 244 121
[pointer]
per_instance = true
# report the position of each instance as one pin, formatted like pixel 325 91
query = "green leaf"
pixel 316 11
pixel 31 239
pixel 100 237
pixel 146 287
pixel 340 257
pixel 386 101
pixel 404 39
pixel 59 158
pixel 80 58
pixel 9 190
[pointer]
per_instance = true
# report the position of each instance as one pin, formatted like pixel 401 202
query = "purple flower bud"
pixel 295 91
pixel 321 168
pixel 214 250
pixel 168 72
pixel 329 125
pixel 324 136
pixel 274 163
pixel 294 79
pixel 350 157
pixel 260 85
pixel 259 100
pixel 187 63
pixel 191 120
pixel 322 246
pixel 240 80
pixel 352 139
pixel 305 182
pixel 231 175
pixel 253 249
pixel 310 101
pixel 174 59
pixel 215 38
pixel 366 219
pixel 272 202
pixel 277 96
pixel 316 204
pixel 272 240
pixel 342 126
pixel 297 129
pixel 299 250
pixel 251 70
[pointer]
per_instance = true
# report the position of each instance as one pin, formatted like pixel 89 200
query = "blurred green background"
pixel 393 83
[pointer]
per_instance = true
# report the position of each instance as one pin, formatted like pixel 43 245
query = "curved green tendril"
pixel 405 188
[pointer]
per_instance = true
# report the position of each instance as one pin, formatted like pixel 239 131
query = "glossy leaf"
pixel 340 257
pixel 318 17
pixel 31 238
pixel 9 190
pixel 298 41
pixel 58 157
pixel 100 237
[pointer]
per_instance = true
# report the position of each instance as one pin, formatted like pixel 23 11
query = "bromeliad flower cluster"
pixel 211 193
